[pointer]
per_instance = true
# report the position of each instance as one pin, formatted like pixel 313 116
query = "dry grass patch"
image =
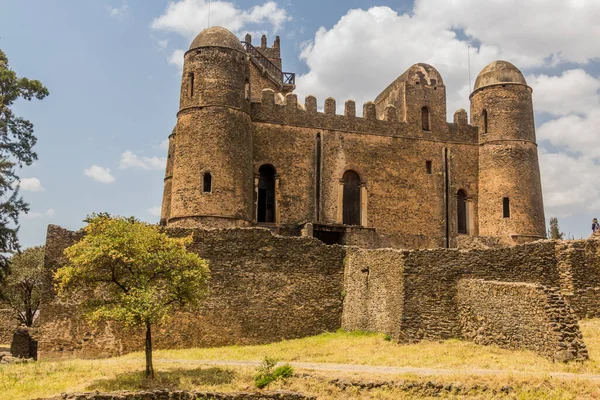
pixel 44 379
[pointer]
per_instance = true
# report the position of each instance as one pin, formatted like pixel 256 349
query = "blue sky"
pixel 113 71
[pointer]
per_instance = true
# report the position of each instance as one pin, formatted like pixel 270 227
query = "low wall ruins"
pixel 265 288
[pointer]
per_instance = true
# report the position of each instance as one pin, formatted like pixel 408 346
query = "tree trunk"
pixel 149 367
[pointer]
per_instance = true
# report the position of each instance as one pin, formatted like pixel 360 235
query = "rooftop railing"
pixel 287 78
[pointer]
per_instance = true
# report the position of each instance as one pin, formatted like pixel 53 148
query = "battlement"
pixel 272 53
pixel 277 109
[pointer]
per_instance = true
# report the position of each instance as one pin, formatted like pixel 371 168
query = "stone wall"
pixel 182 394
pixel 519 316
pixel 412 295
pixel 263 288
pixel 8 325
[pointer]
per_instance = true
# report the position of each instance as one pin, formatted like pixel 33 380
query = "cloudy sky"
pixel 113 71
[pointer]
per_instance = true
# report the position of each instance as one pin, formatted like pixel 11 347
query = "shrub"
pixel 265 374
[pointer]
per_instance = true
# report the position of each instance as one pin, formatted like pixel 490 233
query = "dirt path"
pixel 372 369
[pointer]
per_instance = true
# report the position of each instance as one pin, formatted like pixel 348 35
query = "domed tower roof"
pixel 217 36
pixel 422 73
pixel 498 73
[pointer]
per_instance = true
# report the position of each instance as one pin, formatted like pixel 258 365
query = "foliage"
pixel 16 149
pixel 132 272
pixel 554 231
pixel 265 374
pixel 24 283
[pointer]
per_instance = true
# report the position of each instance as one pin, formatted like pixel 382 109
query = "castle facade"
pixel 245 152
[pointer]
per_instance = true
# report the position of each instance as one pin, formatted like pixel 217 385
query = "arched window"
pixel 266 194
pixel 484 117
pixel 191 84
pixel 207 182
pixel 425 118
pixel 351 199
pixel 461 211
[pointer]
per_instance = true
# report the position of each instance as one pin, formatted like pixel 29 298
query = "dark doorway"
pixel 351 199
pixel 266 194
pixel 461 208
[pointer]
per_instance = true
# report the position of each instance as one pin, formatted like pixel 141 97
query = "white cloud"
pixel 176 58
pixel 131 160
pixel 569 183
pixel 99 174
pixel 574 97
pixel 154 211
pixel 119 12
pixel 380 44
pixel 190 17
pixel 528 32
pixel 164 144
pixel 163 43
pixel 49 213
pixel 573 92
pixel 31 185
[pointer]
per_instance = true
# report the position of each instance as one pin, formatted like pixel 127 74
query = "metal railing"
pixel 287 78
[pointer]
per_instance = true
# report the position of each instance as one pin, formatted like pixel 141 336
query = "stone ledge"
pixel 181 395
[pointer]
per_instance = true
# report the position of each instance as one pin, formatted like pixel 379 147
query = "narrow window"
pixel 191 84
pixel 428 167
pixel 506 207
pixel 266 194
pixel 207 182
pixel 461 211
pixel 425 118
pixel 247 90
pixel 351 199
pixel 485 121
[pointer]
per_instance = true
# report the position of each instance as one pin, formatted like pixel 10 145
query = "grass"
pixel 44 379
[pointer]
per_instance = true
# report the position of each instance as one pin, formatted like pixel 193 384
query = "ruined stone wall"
pixel 579 268
pixel 263 288
pixel 519 316
pixel 182 394
pixel 8 325
pixel 427 282
pixel 373 290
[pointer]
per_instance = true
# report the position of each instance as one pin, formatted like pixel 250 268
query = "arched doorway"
pixel 461 211
pixel 351 199
pixel 266 194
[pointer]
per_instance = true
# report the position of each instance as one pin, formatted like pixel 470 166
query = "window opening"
pixel 428 167
pixel 266 194
pixel 425 118
pixel 207 182
pixel 351 198
pixel 191 84
pixel 506 207
pixel 484 114
pixel 461 211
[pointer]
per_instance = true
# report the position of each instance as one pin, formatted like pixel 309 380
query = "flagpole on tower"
pixel 209 13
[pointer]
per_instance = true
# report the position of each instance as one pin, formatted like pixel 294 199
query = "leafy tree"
pixel 554 231
pixel 24 283
pixel 16 149
pixel 128 271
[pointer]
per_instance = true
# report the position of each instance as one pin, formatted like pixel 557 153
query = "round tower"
pixel 212 180
pixel 510 191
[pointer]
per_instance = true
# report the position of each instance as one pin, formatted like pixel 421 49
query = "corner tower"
pixel 510 191
pixel 212 156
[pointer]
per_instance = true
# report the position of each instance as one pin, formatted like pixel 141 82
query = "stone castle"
pixel 312 221
pixel 246 153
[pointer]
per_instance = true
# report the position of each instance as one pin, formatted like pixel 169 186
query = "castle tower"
pixel 510 191
pixel 212 180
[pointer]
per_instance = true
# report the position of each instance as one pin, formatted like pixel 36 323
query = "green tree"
pixel 16 149
pixel 554 231
pixel 132 272
pixel 24 283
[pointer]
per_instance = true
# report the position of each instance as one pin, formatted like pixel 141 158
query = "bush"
pixel 265 374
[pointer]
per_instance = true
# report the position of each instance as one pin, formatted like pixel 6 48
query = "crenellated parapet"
pixel 287 110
